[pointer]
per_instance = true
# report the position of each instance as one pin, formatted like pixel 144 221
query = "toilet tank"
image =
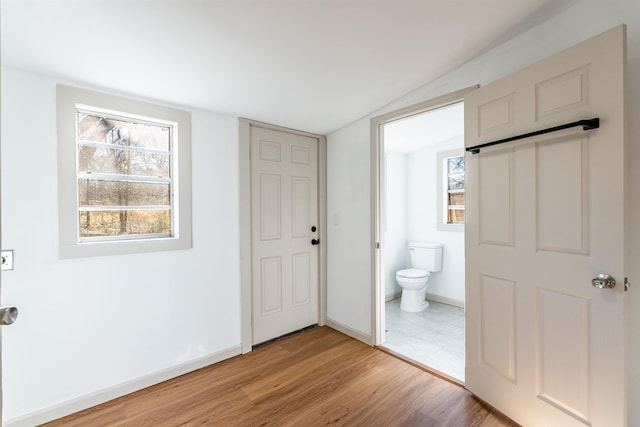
pixel 426 255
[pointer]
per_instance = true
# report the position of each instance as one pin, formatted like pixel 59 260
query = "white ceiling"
pixel 314 65
pixel 430 128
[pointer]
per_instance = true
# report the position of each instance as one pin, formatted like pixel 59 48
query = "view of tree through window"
pixel 124 177
pixel 455 190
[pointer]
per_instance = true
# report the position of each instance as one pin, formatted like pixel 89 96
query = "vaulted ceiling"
pixel 314 65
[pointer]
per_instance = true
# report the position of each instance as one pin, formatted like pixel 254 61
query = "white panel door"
pixel 284 208
pixel 545 215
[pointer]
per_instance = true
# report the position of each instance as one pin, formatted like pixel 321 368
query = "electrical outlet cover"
pixel 7 260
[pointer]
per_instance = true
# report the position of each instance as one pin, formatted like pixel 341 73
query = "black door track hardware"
pixel 586 124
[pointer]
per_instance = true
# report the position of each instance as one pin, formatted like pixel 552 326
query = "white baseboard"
pixel 393 296
pixel 445 300
pixel 110 393
pixel 353 333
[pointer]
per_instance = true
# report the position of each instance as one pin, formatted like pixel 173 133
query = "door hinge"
pixel 377 245
pixel 627 284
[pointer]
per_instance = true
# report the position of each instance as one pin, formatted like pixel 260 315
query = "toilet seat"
pixel 412 273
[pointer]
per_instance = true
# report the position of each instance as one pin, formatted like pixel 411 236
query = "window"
pixel 123 169
pixel 455 190
pixel 125 188
pixel 451 195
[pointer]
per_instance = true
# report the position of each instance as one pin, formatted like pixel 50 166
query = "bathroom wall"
pixel 396 255
pixel 422 193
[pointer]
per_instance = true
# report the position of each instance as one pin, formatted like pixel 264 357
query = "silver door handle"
pixel 8 315
pixel 602 281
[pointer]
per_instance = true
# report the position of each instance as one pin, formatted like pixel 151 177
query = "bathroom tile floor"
pixel 434 337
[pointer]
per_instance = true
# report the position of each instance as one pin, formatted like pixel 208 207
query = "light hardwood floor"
pixel 313 378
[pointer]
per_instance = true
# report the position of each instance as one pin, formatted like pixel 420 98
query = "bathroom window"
pixel 124 180
pixel 451 190
pixel 455 190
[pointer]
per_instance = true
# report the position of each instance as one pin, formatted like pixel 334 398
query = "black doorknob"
pixel 315 242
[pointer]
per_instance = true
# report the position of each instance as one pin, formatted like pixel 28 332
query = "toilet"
pixel 425 259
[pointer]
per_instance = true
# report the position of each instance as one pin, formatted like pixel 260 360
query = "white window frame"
pixel 442 184
pixel 69 101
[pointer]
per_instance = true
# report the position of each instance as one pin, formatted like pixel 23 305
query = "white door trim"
pixel 377 166
pixel 245 224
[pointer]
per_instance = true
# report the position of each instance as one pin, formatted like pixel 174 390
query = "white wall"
pixel 422 194
pixel 89 324
pixel 411 215
pixel 396 252
pixel 349 242
pixel 349 228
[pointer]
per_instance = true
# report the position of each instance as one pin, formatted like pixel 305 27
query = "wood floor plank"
pixel 295 372
pixel 381 399
pixel 314 387
pixel 317 377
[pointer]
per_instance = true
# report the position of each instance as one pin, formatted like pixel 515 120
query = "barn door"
pixel 545 216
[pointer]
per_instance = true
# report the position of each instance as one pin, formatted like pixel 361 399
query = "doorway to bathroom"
pixel 419 163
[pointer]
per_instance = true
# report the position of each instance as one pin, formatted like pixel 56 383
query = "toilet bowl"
pixel 413 282
pixel 426 258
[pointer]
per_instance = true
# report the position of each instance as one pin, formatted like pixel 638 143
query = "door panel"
pixel 284 200
pixel 270 285
pixel 562 178
pixel 300 198
pixel 496 115
pixel 544 216
pixel 497 326
pixel 496 199
pixel 301 278
pixel 270 213
pixel 565 91
pixel 563 371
